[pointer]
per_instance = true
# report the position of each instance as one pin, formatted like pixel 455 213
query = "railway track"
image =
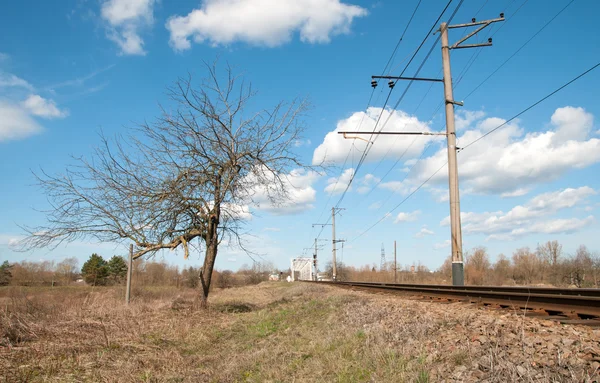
pixel 573 306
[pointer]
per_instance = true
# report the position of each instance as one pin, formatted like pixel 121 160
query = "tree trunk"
pixel 209 262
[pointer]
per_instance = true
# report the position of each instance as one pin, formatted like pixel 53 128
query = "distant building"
pixel 274 277
pixel 302 269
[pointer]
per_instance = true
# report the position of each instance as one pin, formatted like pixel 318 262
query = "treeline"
pixel 546 265
pixel 97 271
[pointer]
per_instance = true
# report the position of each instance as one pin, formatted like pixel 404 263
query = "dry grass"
pixel 273 332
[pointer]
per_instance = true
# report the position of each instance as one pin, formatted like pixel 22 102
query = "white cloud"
pixel 236 211
pixel 375 205
pixel 424 232
pixel 366 183
pixel 400 187
pixel 516 193
pixel 16 123
pixel 272 229
pixel 571 124
pixel 338 185
pixel 125 18
pixel 554 226
pixel 301 194
pixel 10 80
pixel 42 107
pixel 464 118
pixel 335 147
pixel 529 218
pixel 299 143
pixel 10 240
pixel 407 217
pixel 509 160
pixel 4 56
pixel 262 22
pixel 442 245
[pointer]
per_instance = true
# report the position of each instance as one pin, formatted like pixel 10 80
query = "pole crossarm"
pixel 483 24
pixel 402 133
pixel 409 78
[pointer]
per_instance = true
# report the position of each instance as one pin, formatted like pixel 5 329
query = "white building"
pixel 302 269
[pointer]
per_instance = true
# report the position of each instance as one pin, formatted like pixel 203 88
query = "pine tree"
pixel 5 274
pixel 117 269
pixel 95 270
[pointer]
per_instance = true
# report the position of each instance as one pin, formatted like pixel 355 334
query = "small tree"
pixel 66 270
pixel 477 266
pixel 191 174
pixel 117 269
pixel 5 274
pixel 95 270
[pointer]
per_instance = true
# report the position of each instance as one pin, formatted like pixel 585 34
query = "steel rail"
pixel 581 303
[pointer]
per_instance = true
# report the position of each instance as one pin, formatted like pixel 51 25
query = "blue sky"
pixel 70 69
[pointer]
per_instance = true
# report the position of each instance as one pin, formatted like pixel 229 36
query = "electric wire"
pixel 401 37
pixel 533 105
pixel 520 48
pixel 478 139
pixel 368 149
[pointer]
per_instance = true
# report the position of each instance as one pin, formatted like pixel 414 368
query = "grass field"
pixel 273 332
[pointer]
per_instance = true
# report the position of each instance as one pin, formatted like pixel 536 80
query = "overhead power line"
pixel 401 38
pixel 368 148
pixel 520 48
pixel 478 139
pixel 534 104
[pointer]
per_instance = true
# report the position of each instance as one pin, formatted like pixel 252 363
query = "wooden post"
pixel 129 272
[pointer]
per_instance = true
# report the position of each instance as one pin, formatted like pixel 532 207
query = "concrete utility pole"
pixel 334 276
pixel 334 241
pixel 129 273
pixel 455 225
pixel 315 260
pixel 458 278
pixel 395 265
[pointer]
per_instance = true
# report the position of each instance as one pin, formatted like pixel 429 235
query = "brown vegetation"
pixel 277 332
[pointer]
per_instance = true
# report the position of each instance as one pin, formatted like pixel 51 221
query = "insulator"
pixel 502 15
pixel 374 84
pixel 490 40
pixel 391 84
pixel 473 20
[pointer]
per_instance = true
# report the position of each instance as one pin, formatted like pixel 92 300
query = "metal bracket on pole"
pixel 483 24
pixel 400 133
pixel 459 103
pixel 360 138
pixel 409 78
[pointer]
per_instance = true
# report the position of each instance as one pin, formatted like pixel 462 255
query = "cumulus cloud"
pixel 10 80
pixel 41 107
pixel 16 123
pixel 442 245
pixel 366 183
pixel 339 184
pixel 300 194
pixel 124 20
pixel 335 147
pixel 375 205
pixel 531 217
pixel 509 161
pixel 423 232
pixel 407 217
pixel 262 22
pixel 236 211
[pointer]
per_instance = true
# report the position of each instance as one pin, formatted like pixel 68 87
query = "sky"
pixel 72 69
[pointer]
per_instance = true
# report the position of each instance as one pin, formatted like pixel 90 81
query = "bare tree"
pixel 477 266
pixel 190 174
